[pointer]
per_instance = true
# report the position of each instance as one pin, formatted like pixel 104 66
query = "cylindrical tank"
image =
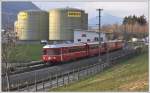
pixel 32 25
pixel 63 21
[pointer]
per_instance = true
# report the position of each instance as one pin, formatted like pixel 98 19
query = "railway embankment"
pixel 128 75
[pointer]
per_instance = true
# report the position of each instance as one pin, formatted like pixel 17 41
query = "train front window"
pixel 53 52
pixel 44 52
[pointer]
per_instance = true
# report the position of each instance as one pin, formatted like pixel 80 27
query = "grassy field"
pixel 129 75
pixel 33 51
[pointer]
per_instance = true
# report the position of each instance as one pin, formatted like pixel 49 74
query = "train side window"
pixel 83 35
pixel 102 45
pixel 105 45
pixel 83 49
pixel 53 52
pixel 116 43
pixel 94 46
pixel 79 40
pixel 71 49
pixel 75 49
pixel 64 51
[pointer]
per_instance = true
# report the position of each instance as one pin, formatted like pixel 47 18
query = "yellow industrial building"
pixel 63 21
pixel 32 25
pixel 55 25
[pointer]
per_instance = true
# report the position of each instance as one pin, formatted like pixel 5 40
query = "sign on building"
pixel 74 14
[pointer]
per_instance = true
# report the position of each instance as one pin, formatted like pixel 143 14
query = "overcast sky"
pixel 119 9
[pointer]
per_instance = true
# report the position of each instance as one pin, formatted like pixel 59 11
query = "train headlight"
pixel 54 57
pixel 49 58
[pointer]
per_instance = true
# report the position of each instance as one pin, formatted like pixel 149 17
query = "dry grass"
pixel 136 85
pixel 129 75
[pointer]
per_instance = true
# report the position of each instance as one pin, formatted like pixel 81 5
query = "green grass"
pixel 129 75
pixel 33 51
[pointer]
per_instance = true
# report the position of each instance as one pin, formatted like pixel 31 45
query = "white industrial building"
pixel 88 36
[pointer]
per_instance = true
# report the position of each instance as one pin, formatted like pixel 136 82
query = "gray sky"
pixel 119 9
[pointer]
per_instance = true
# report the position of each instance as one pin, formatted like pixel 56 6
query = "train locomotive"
pixel 67 52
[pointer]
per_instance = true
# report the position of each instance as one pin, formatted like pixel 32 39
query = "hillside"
pixel 129 75
pixel 10 9
pixel 105 20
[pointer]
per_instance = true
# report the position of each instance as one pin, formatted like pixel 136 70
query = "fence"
pixel 64 78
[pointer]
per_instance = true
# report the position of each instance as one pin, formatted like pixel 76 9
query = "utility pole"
pixel 99 25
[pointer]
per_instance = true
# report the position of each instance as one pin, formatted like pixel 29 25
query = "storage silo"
pixel 63 21
pixel 32 25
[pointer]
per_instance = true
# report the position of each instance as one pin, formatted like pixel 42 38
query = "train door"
pixel 87 49
pixel 105 47
pixel 61 54
pixel 116 45
pixel 65 54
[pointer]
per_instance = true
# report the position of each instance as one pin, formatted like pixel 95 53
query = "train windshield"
pixel 53 52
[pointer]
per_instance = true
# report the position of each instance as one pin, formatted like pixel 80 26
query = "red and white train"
pixel 67 52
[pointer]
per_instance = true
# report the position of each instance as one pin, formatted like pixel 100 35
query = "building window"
pixel 101 39
pixel 88 39
pixel 83 35
pixel 79 40
pixel 96 39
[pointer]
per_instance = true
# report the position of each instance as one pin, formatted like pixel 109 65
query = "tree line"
pixel 141 20
pixel 132 26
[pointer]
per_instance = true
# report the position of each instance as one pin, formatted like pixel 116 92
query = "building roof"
pixel 92 31
pixel 67 8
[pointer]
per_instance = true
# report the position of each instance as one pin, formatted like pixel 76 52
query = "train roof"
pixel 63 45
pixel 75 44
pixel 92 43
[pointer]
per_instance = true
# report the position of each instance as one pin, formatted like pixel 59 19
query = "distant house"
pixel 88 36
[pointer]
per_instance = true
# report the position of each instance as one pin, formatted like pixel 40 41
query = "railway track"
pixel 27 67
pixel 45 72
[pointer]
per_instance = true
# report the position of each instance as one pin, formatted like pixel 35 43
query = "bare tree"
pixel 7 45
pixel 11 54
